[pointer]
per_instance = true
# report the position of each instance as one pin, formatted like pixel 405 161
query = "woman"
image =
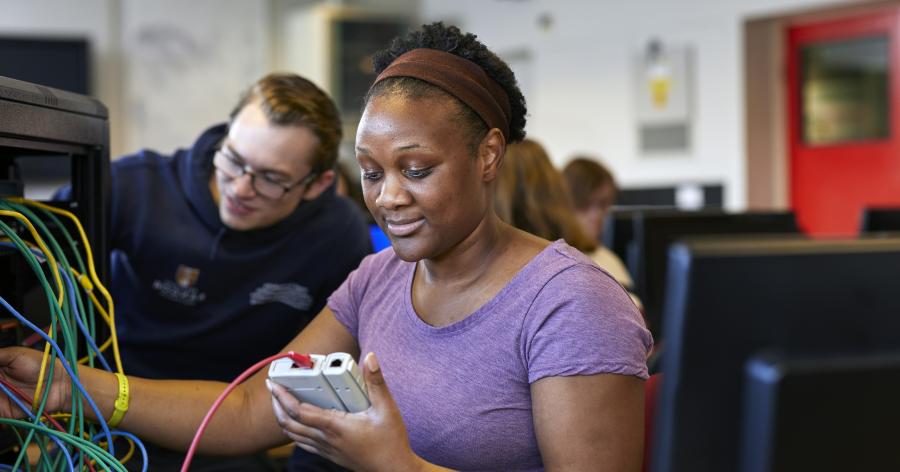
pixel 532 196
pixel 474 330
pixel 593 190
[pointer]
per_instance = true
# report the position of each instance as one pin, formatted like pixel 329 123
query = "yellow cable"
pixel 27 243
pixel 108 318
pixel 59 301
pixel 43 248
pixel 125 458
pixel 131 448
pixel 40 382
pixel 86 284
pixel 91 269
pixel 89 289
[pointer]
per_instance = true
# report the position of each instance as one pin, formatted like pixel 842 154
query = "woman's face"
pixel 593 216
pixel 419 178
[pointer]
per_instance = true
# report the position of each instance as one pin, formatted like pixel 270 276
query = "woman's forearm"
pixel 168 412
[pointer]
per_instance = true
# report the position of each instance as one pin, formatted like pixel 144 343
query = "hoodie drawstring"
pixel 214 249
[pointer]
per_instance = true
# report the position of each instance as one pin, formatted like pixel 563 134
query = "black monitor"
pixel 655 231
pixel 61 63
pixel 617 232
pixel 822 413
pixel 880 220
pixel 618 229
pixel 727 300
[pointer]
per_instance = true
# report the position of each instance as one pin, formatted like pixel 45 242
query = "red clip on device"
pixel 300 360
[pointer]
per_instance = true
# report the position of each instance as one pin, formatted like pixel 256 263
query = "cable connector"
pixel 300 360
pixel 86 282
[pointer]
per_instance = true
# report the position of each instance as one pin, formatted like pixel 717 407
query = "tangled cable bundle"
pixel 61 440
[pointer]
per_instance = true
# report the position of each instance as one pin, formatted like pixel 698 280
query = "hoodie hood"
pixel 195 169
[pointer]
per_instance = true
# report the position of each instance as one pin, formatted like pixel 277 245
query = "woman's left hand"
pixel 371 440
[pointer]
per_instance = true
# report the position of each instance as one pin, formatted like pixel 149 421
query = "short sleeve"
pixel 582 322
pixel 345 301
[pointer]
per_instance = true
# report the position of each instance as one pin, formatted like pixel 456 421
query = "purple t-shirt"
pixel 464 389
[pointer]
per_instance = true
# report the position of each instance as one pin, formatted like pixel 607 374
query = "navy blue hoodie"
pixel 195 299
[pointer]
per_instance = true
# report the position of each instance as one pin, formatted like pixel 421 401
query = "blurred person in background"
pixel 593 190
pixel 532 195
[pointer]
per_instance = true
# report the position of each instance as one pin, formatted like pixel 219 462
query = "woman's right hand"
pixel 20 367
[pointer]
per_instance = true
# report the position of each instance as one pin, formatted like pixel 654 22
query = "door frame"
pixel 766 145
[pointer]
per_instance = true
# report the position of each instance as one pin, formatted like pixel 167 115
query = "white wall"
pixel 91 19
pixel 580 82
pixel 168 68
pixel 187 64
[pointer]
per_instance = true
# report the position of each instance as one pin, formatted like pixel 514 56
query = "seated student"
pixel 487 348
pixel 593 191
pixel 532 196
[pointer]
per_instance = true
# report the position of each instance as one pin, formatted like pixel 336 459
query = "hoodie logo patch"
pixel 186 276
pixel 293 295
pixel 182 289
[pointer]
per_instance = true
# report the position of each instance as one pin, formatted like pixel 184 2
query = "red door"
pixel 844 119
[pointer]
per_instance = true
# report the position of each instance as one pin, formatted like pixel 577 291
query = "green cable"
pixel 60 256
pixel 72 339
pixel 55 309
pixel 21 448
pixel 23 453
pixel 51 300
pixel 71 344
pixel 87 315
pixel 63 316
pixel 94 451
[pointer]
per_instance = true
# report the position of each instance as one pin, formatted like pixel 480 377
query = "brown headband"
pixel 459 77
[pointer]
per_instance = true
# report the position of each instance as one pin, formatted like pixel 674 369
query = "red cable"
pixel 25 398
pixel 299 359
pixel 52 420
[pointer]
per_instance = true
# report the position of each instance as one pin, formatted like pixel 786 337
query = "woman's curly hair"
pixel 466 45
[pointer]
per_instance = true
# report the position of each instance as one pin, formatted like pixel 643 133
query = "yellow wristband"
pixel 121 405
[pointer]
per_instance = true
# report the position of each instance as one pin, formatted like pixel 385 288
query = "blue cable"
pixel 138 442
pixel 68 368
pixel 9 467
pixel 90 340
pixel 81 326
pixel 27 410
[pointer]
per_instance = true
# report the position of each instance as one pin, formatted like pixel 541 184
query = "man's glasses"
pixel 264 185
